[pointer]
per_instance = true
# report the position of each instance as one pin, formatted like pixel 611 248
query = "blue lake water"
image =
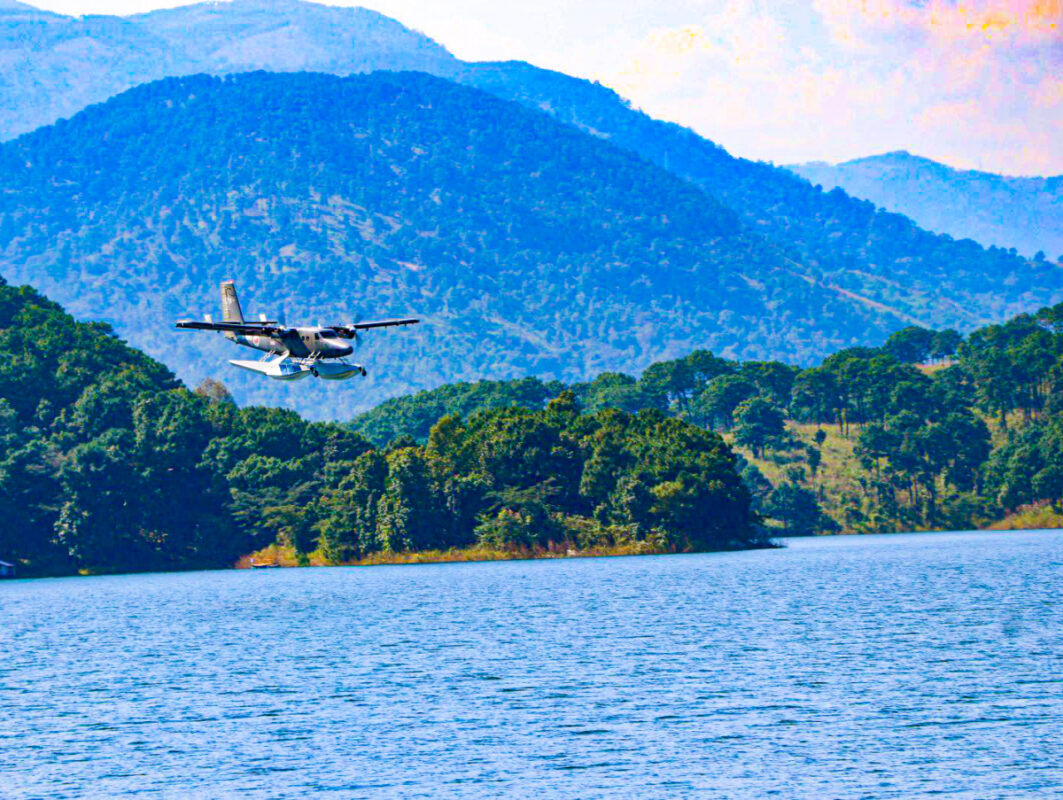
pixel 841 667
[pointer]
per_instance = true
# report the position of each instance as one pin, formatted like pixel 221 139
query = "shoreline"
pixel 284 557
pixel 279 557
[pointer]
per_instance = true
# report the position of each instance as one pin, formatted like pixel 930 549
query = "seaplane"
pixel 291 353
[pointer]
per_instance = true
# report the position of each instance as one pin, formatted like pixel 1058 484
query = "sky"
pixel 977 84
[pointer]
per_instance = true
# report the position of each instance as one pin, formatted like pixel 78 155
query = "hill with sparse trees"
pixel 931 430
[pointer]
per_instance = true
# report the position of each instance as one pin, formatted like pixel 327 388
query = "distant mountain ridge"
pixel 527 246
pixel 879 259
pixel 291 36
pixel 52 66
pixel 799 272
pixel 1024 213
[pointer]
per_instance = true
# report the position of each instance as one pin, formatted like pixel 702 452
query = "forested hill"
pixel 108 464
pixel 526 246
pixel 881 257
pixel 56 65
pixel 931 430
pixel 1025 213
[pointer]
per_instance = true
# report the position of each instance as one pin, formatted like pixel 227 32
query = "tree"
pixel 520 518
pixel 797 509
pixel 100 523
pixel 817 397
pixel 772 379
pixel 1048 483
pixel 946 344
pixel 184 498
pixel 676 382
pixel 293 525
pixel 911 345
pixel 214 391
pixel 347 527
pixel 716 404
pixel 814 457
pixel 759 424
pixel 614 390
pixel 409 515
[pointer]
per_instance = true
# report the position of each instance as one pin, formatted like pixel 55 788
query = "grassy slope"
pixel 838 480
pixel 1033 517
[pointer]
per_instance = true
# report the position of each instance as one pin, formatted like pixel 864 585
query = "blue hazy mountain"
pixel 1024 213
pixel 291 36
pixel 882 259
pixel 528 246
pixel 825 269
pixel 52 66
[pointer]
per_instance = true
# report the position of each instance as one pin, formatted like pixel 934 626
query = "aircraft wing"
pixel 249 328
pixel 349 330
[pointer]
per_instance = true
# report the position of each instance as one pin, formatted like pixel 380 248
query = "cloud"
pixel 869 22
pixel 974 84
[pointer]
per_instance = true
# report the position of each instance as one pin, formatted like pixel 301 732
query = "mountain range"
pixel 527 246
pixel 570 236
pixel 1024 213
pixel 53 65
pixel 881 259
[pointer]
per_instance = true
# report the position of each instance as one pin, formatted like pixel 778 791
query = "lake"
pixel 852 667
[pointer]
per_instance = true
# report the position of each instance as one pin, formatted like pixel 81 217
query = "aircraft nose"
pixel 346 350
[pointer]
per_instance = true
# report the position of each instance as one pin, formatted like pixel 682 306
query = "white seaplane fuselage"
pixel 300 352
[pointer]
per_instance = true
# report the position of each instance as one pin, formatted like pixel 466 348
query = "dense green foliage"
pixel 536 478
pixel 922 436
pixel 992 209
pixel 414 415
pixel 527 246
pixel 108 464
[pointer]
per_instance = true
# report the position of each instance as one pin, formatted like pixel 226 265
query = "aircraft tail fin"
pixel 230 303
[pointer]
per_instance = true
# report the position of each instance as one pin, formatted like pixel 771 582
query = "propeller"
pixel 282 321
pixel 355 336
pixel 350 332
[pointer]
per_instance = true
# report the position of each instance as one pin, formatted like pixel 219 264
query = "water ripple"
pixel 848 667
